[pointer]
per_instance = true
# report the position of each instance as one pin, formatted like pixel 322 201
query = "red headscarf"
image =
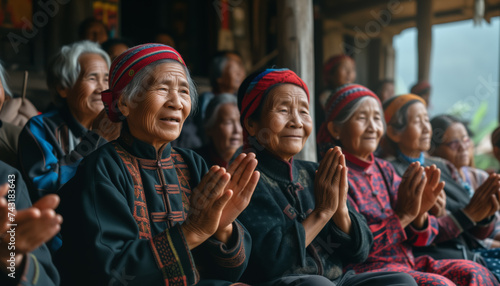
pixel 126 66
pixel 258 87
pixel 337 101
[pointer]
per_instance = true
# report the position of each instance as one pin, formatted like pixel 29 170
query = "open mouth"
pixel 170 119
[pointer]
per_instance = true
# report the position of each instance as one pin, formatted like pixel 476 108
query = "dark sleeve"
pixel 278 242
pixel 44 165
pixel 353 247
pixel 37 267
pixel 214 259
pixel 101 237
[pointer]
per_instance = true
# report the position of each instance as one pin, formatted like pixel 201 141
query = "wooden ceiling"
pixel 399 15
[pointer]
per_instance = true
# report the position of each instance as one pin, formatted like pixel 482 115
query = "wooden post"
pixel 424 27
pixel 296 52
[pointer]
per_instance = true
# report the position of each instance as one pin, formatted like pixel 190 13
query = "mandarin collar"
pixel 141 149
pixel 273 166
pixel 357 163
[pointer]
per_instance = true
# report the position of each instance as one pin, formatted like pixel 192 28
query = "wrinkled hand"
pixel 484 202
pixel 327 182
pixel 439 208
pixel 207 202
pixel 341 217
pixel 432 189
pixel 243 182
pixel 410 194
pixel 35 226
pixel 106 128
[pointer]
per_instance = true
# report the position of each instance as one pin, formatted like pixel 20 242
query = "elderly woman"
pixel 151 214
pixel 409 134
pixel 396 210
pixel 223 128
pixel 451 142
pixel 52 144
pixel 303 230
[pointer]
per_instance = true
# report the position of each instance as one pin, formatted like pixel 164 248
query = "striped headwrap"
pixel 337 101
pixel 395 103
pixel 126 66
pixel 263 82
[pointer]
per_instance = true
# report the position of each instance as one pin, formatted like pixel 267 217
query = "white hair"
pixel 64 67
pixel 140 83
pixel 3 79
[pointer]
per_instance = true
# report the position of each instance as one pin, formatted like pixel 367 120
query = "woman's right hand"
pixel 206 205
pixel 410 194
pixel 484 202
pixel 327 183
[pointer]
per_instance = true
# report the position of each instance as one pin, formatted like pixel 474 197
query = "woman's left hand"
pixel 243 182
pixel 439 208
pixel 432 189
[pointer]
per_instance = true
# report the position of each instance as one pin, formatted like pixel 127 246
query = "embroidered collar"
pixel 141 149
pixel 273 166
pixel 420 159
pixel 357 163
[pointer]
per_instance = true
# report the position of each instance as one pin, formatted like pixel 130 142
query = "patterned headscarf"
pixel 337 101
pixel 263 82
pixel 126 66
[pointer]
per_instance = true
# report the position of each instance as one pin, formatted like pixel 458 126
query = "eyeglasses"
pixel 455 144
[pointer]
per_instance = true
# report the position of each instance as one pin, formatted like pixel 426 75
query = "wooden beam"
pixel 424 27
pixel 296 52
pixel 335 11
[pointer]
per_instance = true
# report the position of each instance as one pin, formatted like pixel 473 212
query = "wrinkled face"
pixel 456 145
pixel 417 135
pixel 232 75
pixel 285 123
pixel 344 73
pixel 156 115
pixel 84 97
pixel 361 133
pixel 116 50
pixel 227 134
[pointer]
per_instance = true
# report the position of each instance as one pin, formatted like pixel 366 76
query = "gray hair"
pixel 348 111
pixel 3 79
pixel 64 68
pixel 399 120
pixel 214 106
pixel 140 83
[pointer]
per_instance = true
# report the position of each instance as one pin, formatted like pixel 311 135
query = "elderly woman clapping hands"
pixel 150 211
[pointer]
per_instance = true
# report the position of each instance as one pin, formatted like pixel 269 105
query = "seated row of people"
pixel 138 210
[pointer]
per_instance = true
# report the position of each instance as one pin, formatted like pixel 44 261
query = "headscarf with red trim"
pixel 126 66
pixel 254 94
pixel 337 101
